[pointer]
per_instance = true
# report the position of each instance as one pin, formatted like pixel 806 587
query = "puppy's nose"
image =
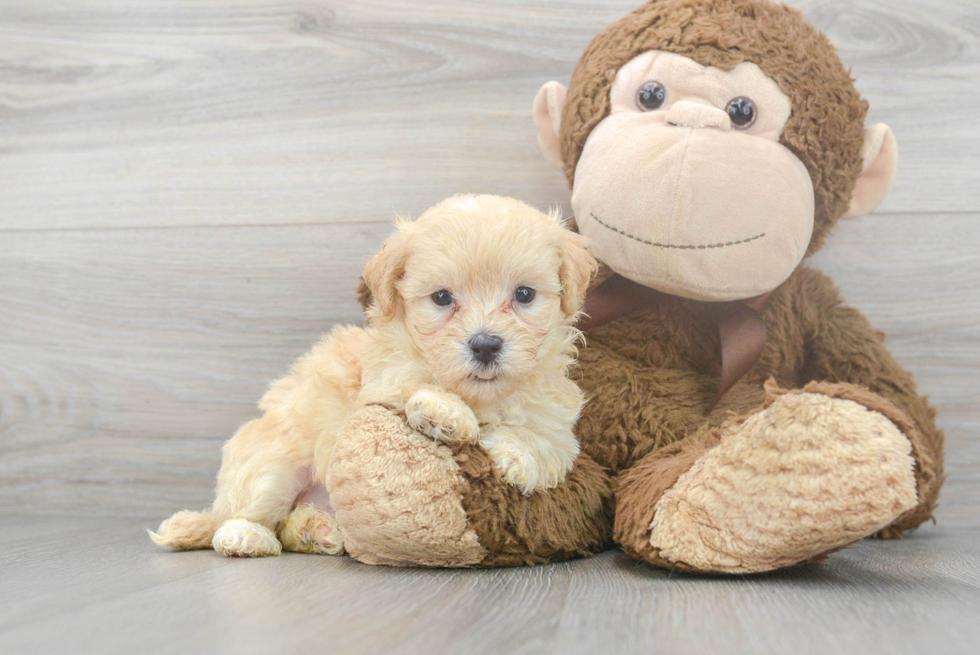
pixel 485 347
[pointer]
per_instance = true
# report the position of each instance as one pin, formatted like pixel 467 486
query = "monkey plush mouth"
pixel 704 246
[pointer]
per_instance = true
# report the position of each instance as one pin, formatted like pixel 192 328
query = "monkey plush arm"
pixel 842 346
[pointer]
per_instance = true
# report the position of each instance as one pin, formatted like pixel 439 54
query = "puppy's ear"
pixel 577 268
pixel 381 274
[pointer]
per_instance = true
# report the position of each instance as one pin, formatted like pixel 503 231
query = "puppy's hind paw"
pixel 309 529
pixel 241 538
pixel 442 416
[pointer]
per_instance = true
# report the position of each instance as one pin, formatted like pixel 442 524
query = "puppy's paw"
pixel 442 416
pixel 309 529
pixel 525 467
pixel 241 538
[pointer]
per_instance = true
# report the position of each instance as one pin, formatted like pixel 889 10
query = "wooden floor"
pixel 187 190
pixel 94 586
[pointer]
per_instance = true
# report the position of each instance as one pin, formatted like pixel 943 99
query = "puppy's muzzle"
pixel 485 347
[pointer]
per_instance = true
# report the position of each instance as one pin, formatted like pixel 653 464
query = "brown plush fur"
pixel 723 34
pixel 652 378
pixel 573 520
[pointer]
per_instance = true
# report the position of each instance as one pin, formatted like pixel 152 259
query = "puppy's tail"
pixel 186 530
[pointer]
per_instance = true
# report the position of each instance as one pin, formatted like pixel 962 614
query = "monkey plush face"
pixel 681 142
pixel 710 144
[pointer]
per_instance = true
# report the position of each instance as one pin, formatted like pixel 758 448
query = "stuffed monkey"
pixel 747 419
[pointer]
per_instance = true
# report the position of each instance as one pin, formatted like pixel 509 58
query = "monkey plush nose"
pixel 685 113
pixel 485 347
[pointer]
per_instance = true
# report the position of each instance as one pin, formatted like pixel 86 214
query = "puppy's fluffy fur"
pixel 422 356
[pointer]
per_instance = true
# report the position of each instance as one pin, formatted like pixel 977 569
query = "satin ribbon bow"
pixel 741 330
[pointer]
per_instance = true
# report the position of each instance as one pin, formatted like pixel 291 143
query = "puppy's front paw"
pixel 442 416
pixel 526 468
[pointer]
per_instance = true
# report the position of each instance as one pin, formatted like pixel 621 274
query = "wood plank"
pixel 130 355
pixel 49 566
pixel 105 588
pixel 121 346
pixel 244 112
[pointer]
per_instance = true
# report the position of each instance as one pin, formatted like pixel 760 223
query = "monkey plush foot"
pixel 396 495
pixel 805 475
pixel 404 499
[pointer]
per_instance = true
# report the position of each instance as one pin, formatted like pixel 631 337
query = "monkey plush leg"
pixel 403 499
pixel 810 472
pixel 843 347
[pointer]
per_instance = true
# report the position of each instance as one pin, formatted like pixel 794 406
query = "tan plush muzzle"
pixel 677 230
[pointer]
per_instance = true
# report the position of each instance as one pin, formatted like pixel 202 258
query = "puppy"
pixel 470 336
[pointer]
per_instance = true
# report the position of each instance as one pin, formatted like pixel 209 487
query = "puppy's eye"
pixel 442 298
pixel 524 295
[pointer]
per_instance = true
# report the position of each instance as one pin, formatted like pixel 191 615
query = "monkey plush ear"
pixel 548 105
pixel 880 159
pixel 381 274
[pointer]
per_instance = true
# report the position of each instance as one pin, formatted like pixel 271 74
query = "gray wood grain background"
pixel 187 191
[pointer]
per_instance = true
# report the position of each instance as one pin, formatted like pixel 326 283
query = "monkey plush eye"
pixel 651 96
pixel 442 298
pixel 524 295
pixel 742 112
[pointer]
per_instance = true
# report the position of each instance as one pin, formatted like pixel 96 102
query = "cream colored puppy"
pixel 470 336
